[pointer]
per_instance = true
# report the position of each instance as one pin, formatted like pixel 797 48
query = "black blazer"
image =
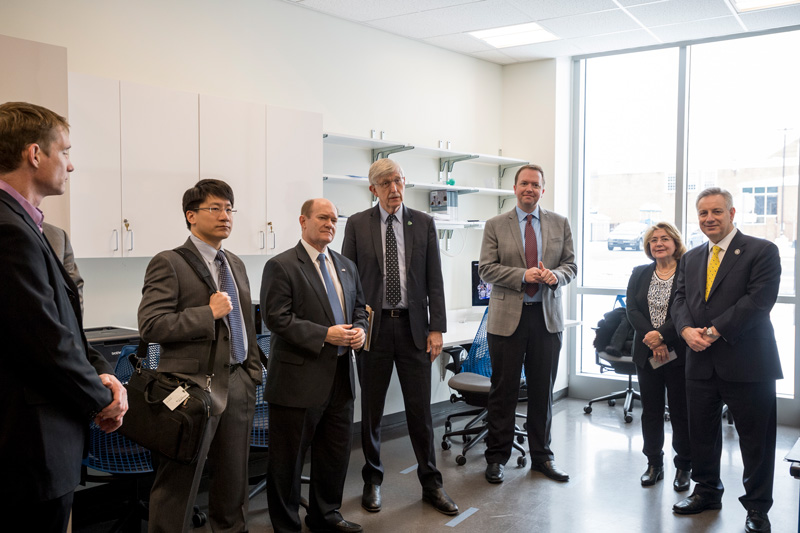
pixel 638 311
pixel 48 373
pixel 425 286
pixel 295 307
pixel 744 291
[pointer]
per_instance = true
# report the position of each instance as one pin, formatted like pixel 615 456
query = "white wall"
pixel 269 51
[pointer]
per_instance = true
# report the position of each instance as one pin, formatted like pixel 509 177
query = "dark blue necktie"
pixel 392 266
pixel 333 298
pixel 235 316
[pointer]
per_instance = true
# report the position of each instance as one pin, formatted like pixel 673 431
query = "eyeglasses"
pixel 215 211
pixel 398 182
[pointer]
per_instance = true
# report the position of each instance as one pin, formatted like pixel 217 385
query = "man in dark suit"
pixel 51 382
pixel 312 303
pixel 401 272
pixel 725 293
pixel 193 326
pixel 527 255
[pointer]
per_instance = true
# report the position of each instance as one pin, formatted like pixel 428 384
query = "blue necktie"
pixel 235 316
pixel 393 294
pixel 333 298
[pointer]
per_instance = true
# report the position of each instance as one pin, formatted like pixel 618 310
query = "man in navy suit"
pixel 725 292
pixel 397 253
pixel 52 383
pixel 312 302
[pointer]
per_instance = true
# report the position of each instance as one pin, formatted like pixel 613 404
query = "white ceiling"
pixel 583 26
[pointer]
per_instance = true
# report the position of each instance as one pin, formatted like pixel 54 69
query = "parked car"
pixel 627 235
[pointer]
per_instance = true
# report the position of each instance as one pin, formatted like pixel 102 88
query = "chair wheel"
pixel 525 426
pixel 520 439
pixel 461 460
pixel 448 427
pixel 199 518
pixel 628 419
pixel 522 461
pixel 587 409
pixel 612 402
pixel 445 445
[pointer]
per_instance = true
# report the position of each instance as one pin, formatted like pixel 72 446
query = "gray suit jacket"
pixel 502 264
pixel 174 312
pixel 58 239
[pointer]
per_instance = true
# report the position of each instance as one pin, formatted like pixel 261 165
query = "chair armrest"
pixel 458 355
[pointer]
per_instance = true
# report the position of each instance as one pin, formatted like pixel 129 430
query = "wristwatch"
pixel 710 333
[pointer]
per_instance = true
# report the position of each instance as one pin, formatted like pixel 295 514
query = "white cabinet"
pixel 160 160
pixel 96 184
pixel 294 166
pixel 233 149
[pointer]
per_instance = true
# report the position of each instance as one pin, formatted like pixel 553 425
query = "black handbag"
pixel 178 433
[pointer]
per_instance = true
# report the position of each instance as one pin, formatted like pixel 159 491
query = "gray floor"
pixel 603 456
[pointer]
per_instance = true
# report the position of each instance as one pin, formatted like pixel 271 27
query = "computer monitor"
pixel 481 291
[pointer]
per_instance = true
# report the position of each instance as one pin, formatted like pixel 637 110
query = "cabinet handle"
pixel 130 232
pixel 116 240
pixel 263 239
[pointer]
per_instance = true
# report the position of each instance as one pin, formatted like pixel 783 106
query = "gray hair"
pixel 714 191
pixel 383 167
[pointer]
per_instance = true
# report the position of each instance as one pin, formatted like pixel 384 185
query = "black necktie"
pixel 392 268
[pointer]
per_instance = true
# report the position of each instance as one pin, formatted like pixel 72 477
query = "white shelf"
pixel 355 180
pixel 459 224
pixel 358 142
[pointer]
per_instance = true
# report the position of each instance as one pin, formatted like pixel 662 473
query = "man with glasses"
pixel 192 326
pixel 396 250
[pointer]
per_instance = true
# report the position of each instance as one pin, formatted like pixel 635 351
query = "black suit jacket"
pixel 638 311
pixel 424 283
pixel 744 291
pixel 295 307
pixel 48 373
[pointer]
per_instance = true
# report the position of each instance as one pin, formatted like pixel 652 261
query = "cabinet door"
pixel 159 162
pixel 95 185
pixel 294 171
pixel 233 149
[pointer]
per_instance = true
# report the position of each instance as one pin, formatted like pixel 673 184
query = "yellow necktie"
pixel 713 266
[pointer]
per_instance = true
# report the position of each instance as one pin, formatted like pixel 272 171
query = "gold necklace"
pixel 666 273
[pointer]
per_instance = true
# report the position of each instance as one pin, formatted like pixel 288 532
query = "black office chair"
pixel 613 352
pixel 472 382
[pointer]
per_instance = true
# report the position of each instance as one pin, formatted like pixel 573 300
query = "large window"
pixel 658 127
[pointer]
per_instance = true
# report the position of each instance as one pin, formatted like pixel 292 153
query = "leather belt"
pixel 531 303
pixel 395 313
pixel 233 368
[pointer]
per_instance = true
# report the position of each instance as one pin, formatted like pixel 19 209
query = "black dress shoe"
pixel 371 498
pixel 494 472
pixel 682 480
pixel 652 475
pixel 757 522
pixel 342 526
pixel 549 469
pixel 695 504
pixel 440 501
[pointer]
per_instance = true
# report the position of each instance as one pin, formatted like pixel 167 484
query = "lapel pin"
pixel 343 270
pixel 737 251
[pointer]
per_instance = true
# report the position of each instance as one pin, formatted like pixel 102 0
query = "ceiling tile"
pixel 549 9
pixel 449 20
pixel 698 29
pixel 676 11
pixel 614 41
pixel 779 17
pixel 591 24
pixel 495 56
pixel 532 52
pixel 460 42
pixel 629 3
pixel 363 10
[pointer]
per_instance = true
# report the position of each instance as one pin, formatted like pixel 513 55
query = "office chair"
pixel 613 352
pixel 122 459
pixel 472 382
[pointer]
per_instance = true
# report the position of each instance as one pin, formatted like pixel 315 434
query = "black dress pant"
pixel 532 345
pixel 393 346
pixel 327 430
pixel 754 410
pixel 24 512
pixel 653 384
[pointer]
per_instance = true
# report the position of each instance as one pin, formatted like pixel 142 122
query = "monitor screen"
pixel 481 291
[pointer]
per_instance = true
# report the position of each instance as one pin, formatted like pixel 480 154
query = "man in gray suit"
pixel 527 255
pixel 59 241
pixel 312 302
pixel 192 325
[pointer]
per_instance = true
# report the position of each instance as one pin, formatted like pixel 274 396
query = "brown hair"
pixel 529 167
pixel 23 124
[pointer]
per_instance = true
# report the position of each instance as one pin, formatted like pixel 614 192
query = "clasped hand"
pixel 110 418
pixel 540 275
pixel 345 335
pixel 697 339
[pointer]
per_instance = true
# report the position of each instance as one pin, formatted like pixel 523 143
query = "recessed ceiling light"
pixel 516 35
pixel 753 5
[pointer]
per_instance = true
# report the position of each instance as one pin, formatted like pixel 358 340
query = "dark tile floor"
pixel 602 455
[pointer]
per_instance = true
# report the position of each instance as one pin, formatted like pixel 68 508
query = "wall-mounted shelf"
pixel 362 180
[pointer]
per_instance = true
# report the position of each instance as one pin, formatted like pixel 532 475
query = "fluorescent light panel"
pixel 516 35
pixel 743 6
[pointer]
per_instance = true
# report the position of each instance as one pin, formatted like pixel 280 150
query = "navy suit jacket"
pixel 49 383
pixel 296 309
pixel 363 245
pixel 744 291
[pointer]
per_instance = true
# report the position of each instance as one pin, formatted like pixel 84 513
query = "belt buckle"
pixel 395 313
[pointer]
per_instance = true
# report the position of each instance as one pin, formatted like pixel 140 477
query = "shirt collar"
pixel 34 212
pixel 725 243
pixel 313 253
pixel 208 252
pixel 522 214
pixel 385 214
